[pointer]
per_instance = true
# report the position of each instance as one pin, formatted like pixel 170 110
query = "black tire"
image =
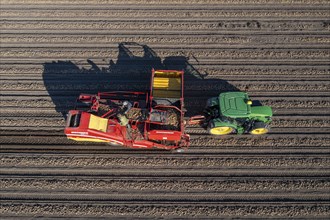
pixel 113 144
pixel 221 130
pixel 259 128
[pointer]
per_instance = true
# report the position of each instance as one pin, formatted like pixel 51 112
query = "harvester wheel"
pixel 180 150
pixel 221 130
pixel 114 144
pixel 259 128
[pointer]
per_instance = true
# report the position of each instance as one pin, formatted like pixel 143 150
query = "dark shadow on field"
pixel 65 80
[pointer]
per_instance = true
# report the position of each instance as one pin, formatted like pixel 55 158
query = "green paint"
pixel 234 109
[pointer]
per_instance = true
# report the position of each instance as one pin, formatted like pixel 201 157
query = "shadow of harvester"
pixel 65 80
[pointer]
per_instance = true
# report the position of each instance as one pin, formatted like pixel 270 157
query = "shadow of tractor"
pixel 65 80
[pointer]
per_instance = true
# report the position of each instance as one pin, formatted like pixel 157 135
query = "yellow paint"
pixel 166 94
pixel 98 123
pixel 175 84
pixel 259 131
pixel 167 85
pixel 161 83
pixel 173 74
pixel 221 130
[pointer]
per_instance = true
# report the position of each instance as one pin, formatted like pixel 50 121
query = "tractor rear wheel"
pixel 220 130
pixel 259 128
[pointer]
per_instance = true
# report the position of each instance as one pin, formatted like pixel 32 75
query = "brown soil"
pixel 277 51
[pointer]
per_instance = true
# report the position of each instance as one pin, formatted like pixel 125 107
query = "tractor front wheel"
pixel 259 128
pixel 220 130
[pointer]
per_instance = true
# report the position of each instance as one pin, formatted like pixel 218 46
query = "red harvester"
pixel 133 119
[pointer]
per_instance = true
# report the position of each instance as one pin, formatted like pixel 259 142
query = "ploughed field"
pixel 277 51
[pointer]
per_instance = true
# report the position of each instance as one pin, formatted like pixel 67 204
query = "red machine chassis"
pixel 133 119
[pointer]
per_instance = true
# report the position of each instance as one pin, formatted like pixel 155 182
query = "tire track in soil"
pixel 320 26
pixel 186 162
pixel 275 140
pixel 275 50
pixel 30 71
pixel 164 184
pixel 77 53
pixel 110 13
pixel 172 210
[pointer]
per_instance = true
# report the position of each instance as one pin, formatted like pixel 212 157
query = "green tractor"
pixel 234 112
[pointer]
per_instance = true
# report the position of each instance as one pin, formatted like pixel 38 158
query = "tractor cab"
pixel 235 112
pixel 235 105
pixel 239 105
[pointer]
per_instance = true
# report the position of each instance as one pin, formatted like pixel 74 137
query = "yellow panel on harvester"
pixel 98 123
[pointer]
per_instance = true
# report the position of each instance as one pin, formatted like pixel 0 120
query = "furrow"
pixel 164 173
pixel 155 3
pixel 103 83
pixel 165 185
pixel 29 69
pixel 214 26
pixel 168 197
pixel 74 53
pixel 171 210
pixel 195 150
pixel 165 162
pixel 99 41
pixel 178 13
pixel 274 140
